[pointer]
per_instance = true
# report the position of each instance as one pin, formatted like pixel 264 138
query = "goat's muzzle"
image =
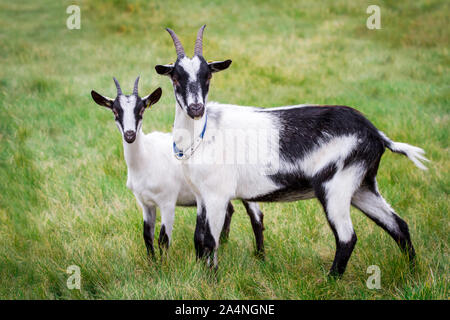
pixel 129 136
pixel 196 110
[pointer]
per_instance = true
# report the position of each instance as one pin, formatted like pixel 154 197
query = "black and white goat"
pixel 154 175
pixel 327 152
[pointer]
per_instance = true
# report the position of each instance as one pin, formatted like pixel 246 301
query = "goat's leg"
pixel 210 220
pixel 256 218
pixel 149 215
pixel 165 234
pixel 335 195
pixel 200 226
pixel 372 204
pixel 226 225
pixel 338 215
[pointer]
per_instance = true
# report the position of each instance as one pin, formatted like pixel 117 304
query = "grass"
pixel 63 198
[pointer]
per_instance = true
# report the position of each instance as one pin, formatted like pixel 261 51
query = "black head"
pixel 128 109
pixel 191 76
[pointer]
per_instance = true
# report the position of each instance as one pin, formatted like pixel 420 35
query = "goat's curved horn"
pixel 135 89
pixel 177 43
pixel 199 42
pixel 119 90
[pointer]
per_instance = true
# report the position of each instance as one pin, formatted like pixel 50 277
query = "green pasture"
pixel 63 199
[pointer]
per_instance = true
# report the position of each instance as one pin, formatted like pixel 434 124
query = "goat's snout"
pixel 196 110
pixel 129 136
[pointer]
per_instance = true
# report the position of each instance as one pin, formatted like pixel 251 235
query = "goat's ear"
pixel 164 69
pixel 152 98
pixel 216 66
pixel 102 100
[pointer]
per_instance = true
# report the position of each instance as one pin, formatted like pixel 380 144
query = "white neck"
pixel 186 129
pixel 134 153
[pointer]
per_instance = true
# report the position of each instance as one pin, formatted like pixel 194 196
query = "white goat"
pixel 328 152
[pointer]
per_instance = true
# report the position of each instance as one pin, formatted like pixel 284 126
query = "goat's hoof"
pixel 260 254
pixel 334 275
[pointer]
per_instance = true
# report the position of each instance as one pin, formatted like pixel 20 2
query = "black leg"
pixel 343 252
pixel 163 241
pixel 203 239
pixel 257 221
pixel 403 239
pixel 226 225
pixel 199 234
pixel 148 239
pixel 149 214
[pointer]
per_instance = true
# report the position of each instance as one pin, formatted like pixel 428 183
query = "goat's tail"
pixel 415 154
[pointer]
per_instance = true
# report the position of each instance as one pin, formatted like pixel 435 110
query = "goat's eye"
pixel 175 81
pixel 116 114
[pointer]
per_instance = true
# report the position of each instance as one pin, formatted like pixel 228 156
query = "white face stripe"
pixel 129 120
pixel 194 97
pixel 191 67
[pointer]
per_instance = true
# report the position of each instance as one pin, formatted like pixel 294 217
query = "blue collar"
pixel 179 154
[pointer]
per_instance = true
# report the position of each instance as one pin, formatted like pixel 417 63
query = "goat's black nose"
pixel 196 105
pixel 196 110
pixel 129 136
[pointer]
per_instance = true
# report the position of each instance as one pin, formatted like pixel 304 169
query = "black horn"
pixel 135 89
pixel 119 90
pixel 177 43
pixel 199 42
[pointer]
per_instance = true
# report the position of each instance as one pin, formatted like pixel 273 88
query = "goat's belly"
pixel 186 198
pixel 285 195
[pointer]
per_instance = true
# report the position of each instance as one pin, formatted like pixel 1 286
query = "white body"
pixel 155 177
pixel 328 152
pixel 215 184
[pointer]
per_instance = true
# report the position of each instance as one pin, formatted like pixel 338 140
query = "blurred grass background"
pixel 63 199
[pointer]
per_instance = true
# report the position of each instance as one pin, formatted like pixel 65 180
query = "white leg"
pixel 372 204
pixel 335 196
